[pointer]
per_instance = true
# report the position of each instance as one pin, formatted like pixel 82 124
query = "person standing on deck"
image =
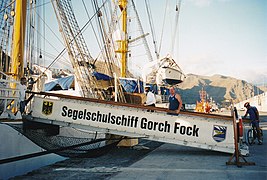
pixel 22 93
pixel 150 98
pixel 175 102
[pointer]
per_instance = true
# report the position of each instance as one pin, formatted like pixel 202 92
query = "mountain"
pixel 218 87
pixel 263 88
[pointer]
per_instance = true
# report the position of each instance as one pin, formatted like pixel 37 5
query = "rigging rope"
pixel 152 27
pixel 163 25
pixel 109 40
pixel 41 5
pixel 178 6
pixel 51 30
pixel 102 33
pixel 38 38
pixel 142 32
pixel 31 28
pixel 62 59
pixel 64 49
pixel 44 34
pixel 5 24
pixel 87 13
pixel 106 41
pixel 7 6
pixel 46 40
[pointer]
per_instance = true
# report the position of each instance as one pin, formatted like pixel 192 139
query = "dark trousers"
pixel 151 105
pixel 22 105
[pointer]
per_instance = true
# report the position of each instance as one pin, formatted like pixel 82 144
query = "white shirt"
pixel 22 92
pixel 150 98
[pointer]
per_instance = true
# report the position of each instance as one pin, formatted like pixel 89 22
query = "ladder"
pixel 211 132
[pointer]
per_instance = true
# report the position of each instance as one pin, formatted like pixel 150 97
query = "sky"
pixel 224 37
pixel 227 37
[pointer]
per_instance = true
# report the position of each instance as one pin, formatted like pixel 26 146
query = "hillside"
pixel 218 87
pixel 263 88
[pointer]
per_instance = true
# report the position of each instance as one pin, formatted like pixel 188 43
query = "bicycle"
pixel 252 134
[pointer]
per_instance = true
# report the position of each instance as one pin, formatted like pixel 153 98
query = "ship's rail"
pixel 164 98
pixel 9 97
pixel 158 109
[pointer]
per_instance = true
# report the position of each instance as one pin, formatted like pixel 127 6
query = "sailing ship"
pixel 55 120
pixel 106 77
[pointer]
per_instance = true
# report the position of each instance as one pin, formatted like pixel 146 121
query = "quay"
pixel 154 160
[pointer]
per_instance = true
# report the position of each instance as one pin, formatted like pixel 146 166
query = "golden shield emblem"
pixel 47 107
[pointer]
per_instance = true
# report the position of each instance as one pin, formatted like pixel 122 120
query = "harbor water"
pixel 15 144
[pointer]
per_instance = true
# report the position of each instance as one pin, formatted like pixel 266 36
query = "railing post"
pixel 237 155
pixel 9 98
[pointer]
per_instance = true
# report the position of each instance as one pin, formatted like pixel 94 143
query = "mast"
pixel 18 40
pixel 123 44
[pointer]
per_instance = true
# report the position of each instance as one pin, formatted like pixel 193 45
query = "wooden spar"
pixel 215 116
pixel 17 66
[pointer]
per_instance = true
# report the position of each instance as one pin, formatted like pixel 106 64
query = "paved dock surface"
pixel 160 161
pixel 178 162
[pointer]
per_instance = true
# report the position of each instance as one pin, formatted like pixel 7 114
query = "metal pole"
pixel 116 87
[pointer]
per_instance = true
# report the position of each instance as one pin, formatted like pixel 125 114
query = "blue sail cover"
pixel 131 85
pixel 64 83
pixel 154 89
pixel 100 76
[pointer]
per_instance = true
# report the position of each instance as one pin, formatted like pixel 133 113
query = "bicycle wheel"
pixel 250 137
pixel 261 135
